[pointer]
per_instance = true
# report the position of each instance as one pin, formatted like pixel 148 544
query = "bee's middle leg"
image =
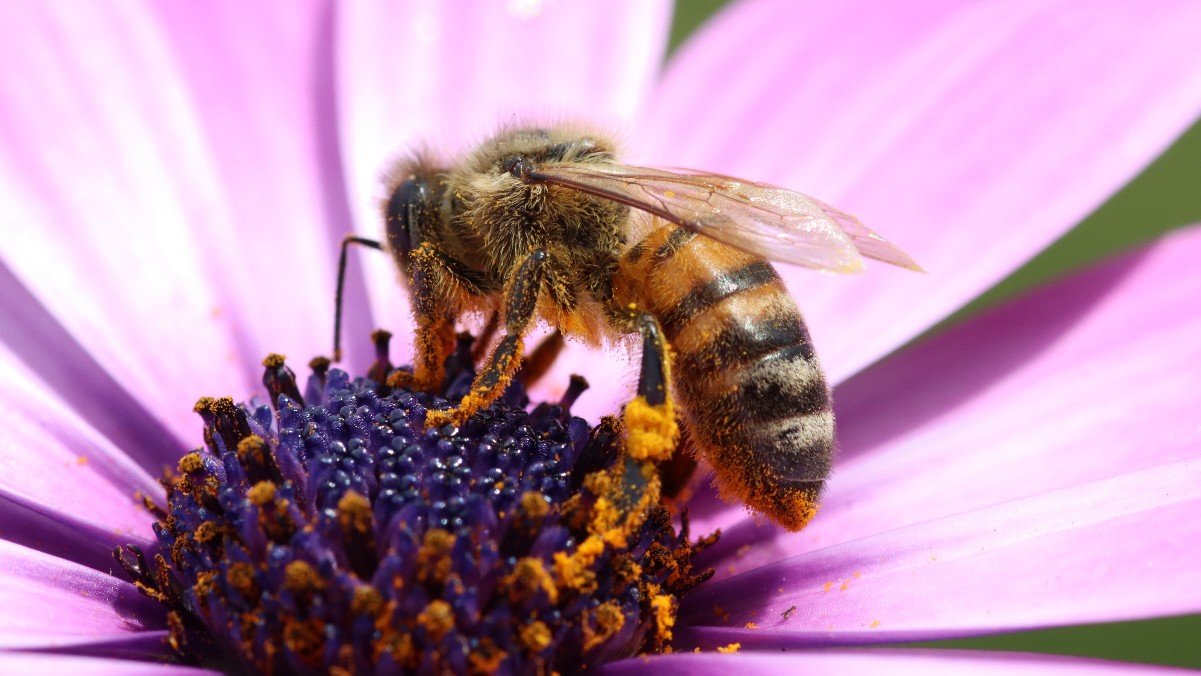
pixel 520 303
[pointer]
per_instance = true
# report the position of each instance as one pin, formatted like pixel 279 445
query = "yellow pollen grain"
pixel 604 519
pixel 301 578
pixel 205 583
pixel 574 571
pixel 874 624
pixel 274 360
pixel 529 576
pixel 191 462
pixel 651 431
pixel 437 618
pixel 261 493
pixel 722 613
pixel 728 649
pixel 751 625
pixel 206 532
pixel 664 608
pixel 254 448
pixel 354 513
pixel 486 659
pixel 534 505
pixel 608 621
pixel 536 636
pixel 305 638
pixel 366 601
pixel 241 577
pixel 433 558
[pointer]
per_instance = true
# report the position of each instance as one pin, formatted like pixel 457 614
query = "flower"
pixel 175 181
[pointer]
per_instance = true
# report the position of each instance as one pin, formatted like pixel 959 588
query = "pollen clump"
pixel 729 649
pixel 433 559
pixel 651 430
pixel 302 579
pixel 263 493
pixel 536 636
pixel 437 618
pixel 575 570
pixel 367 601
pixel 665 616
pixel 528 578
pixel 241 576
pixel 190 462
pixel 354 513
pixel 602 623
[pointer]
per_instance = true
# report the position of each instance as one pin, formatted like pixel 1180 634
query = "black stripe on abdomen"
pixel 704 296
pixel 767 396
pixel 746 339
pixel 784 383
pixel 674 242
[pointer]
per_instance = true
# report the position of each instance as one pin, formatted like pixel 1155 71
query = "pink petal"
pixel 142 645
pixel 1123 548
pixel 36 525
pixel 57 468
pixel 971 134
pixel 105 184
pixel 47 601
pixel 1087 378
pixel 444 75
pixel 38 348
pixel 261 80
pixel 893 662
pixel 33 663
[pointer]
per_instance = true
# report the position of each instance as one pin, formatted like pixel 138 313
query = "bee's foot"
pixel 445 416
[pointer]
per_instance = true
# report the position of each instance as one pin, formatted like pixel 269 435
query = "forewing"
pixel 778 224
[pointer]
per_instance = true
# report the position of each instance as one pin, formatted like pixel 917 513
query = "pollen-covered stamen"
pixel 358 533
pixel 230 424
pixel 338 533
pixel 279 379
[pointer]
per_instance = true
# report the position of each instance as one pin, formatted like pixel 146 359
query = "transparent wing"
pixel 777 224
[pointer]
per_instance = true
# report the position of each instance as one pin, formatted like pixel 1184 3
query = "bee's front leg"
pixel 520 303
pixel 649 420
pixel 434 339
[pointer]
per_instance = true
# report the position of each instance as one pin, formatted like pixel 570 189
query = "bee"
pixel 544 223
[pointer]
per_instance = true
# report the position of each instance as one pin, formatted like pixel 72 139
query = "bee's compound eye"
pixel 519 166
pixel 408 208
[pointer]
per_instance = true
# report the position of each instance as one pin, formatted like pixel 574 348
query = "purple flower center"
pixel 334 532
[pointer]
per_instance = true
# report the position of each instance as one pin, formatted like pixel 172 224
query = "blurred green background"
pixel 1165 196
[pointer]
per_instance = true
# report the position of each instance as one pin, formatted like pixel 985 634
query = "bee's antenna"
pixel 346 242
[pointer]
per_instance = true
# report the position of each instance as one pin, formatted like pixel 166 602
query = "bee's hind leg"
pixel 649 420
pixel 520 303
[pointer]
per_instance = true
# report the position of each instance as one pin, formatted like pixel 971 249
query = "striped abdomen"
pixel 752 393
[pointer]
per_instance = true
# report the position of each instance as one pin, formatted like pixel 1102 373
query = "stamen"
pixel 383 366
pixel 575 387
pixel 280 380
